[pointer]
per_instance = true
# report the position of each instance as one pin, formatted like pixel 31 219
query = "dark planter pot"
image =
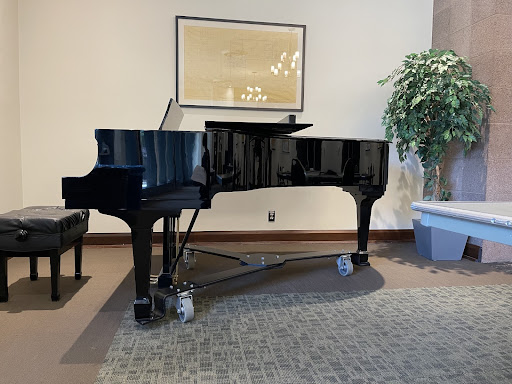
pixel 438 244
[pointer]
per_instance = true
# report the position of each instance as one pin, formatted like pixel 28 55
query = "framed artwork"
pixel 239 64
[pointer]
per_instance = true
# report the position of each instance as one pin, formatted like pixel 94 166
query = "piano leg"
pixel 4 291
pixel 141 225
pixel 169 252
pixel 141 245
pixel 364 205
pixel 364 212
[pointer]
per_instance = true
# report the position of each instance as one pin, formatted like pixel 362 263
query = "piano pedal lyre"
pixel 177 242
pixel 190 259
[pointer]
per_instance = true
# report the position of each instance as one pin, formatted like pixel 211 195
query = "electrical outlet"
pixel 272 216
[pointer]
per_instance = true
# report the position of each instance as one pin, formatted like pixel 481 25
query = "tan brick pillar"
pixel 482 31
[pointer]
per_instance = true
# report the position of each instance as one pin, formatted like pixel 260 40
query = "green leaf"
pixel 435 101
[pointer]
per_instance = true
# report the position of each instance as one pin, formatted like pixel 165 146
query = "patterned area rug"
pixel 425 335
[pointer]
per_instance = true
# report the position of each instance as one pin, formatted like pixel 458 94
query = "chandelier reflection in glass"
pixel 288 66
pixel 254 92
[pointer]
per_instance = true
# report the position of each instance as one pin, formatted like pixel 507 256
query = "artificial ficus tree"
pixel 435 101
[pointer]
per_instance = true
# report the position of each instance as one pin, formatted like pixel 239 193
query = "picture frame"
pixel 237 64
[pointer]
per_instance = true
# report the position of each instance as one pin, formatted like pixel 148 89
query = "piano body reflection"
pixel 142 176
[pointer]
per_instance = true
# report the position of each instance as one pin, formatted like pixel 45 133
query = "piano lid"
pixel 256 128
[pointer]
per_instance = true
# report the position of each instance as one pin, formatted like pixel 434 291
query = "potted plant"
pixel 435 102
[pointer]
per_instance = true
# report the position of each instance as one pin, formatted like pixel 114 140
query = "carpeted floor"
pixel 67 341
pixel 420 335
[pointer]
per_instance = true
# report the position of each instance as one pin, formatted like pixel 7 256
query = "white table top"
pixel 499 212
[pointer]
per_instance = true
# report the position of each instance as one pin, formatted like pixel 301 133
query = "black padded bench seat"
pixel 41 232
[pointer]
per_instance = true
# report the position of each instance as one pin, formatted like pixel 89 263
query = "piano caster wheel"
pixel 190 259
pixel 185 308
pixel 345 266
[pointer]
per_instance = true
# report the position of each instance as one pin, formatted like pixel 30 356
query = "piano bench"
pixel 41 232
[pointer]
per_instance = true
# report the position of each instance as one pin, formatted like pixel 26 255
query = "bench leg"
pixel 4 292
pixel 33 268
pixel 78 259
pixel 55 275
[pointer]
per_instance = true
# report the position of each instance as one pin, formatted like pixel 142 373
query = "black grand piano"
pixel 143 176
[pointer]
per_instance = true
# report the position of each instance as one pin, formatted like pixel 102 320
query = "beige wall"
pixel 110 64
pixel 10 158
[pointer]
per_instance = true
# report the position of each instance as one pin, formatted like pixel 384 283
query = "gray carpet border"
pixel 418 335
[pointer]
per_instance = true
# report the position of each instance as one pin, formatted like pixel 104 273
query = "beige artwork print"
pixel 220 64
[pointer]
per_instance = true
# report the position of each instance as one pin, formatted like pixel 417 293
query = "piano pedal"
pixel 153 279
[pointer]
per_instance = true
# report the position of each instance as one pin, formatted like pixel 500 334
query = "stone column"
pixel 482 31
